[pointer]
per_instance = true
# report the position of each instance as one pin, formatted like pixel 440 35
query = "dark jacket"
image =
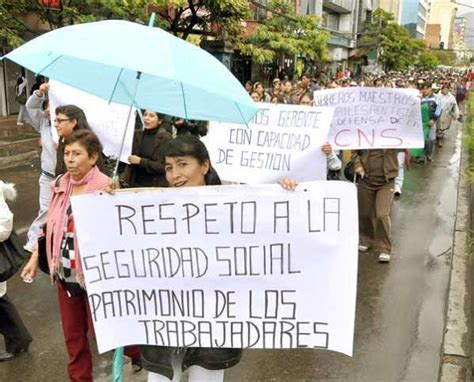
pixel 157 359
pixel 154 165
pixel 390 162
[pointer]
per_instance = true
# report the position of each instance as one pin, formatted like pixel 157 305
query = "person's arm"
pixel 34 105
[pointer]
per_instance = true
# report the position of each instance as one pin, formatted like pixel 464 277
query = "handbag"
pixel 12 257
pixel 349 170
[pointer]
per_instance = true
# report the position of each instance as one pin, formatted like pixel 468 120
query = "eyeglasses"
pixel 59 120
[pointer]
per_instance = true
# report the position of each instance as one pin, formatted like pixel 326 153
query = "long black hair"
pixel 190 145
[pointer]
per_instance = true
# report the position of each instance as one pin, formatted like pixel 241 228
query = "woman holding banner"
pixel 187 164
pixel 82 150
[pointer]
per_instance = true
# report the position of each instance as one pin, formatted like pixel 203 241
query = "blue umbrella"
pixel 130 63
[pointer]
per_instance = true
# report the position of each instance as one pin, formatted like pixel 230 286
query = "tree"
pixel 427 60
pixel 396 50
pixel 445 57
pixel 285 33
pixel 180 17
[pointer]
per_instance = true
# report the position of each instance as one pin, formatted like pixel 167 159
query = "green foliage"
pixel 447 58
pixel 427 60
pixel 396 49
pixel 469 138
pixel 285 33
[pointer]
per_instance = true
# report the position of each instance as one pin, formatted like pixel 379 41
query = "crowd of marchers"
pixel 168 152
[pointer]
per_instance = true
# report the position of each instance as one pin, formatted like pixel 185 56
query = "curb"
pixel 456 354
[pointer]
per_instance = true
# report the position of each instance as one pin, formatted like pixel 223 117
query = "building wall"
pixel 414 16
pixel 433 35
pixel 443 12
pixel 392 6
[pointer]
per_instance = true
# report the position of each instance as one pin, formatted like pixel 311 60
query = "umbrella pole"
pixel 115 176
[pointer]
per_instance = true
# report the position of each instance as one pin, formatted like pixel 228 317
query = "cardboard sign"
pixel 373 118
pixel 225 266
pixel 280 141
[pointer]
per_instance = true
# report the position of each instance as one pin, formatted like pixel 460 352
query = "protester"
pixel 255 97
pixel 377 170
pixel 435 110
pixel 17 337
pixel 263 96
pixel 146 166
pixel 37 108
pixel 449 112
pixel 70 118
pixel 287 95
pixel 21 95
pixel 187 164
pixel 82 149
pixel 248 86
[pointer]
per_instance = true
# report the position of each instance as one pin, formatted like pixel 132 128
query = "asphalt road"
pixel 400 306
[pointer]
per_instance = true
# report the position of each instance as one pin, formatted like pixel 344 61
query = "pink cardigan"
pixel 61 199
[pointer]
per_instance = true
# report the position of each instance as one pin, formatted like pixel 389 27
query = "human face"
pixel 305 100
pixel 259 89
pixel 64 125
pixel 255 97
pixel 150 120
pixel 288 87
pixel 77 160
pixel 185 171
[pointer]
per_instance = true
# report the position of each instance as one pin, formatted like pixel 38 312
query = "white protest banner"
pixel 108 121
pixel 373 118
pixel 226 266
pixel 280 141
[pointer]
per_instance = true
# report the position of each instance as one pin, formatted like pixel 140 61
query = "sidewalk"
pixel 18 144
pixel 456 362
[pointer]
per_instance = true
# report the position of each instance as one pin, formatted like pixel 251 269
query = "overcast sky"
pixel 462 9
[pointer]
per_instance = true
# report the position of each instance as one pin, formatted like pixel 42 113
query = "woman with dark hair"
pixel 70 118
pixel 146 166
pixel 82 149
pixel 187 164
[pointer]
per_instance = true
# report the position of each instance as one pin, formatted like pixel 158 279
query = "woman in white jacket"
pixel 449 112
pixel 17 337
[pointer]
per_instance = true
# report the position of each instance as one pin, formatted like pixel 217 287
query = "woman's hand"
pixel 43 89
pixel 327 149
pixel 359 170
pixel 30 269
pixel 134 159
pixel 288 184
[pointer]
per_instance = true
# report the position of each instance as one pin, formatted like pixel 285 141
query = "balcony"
pixel 338 6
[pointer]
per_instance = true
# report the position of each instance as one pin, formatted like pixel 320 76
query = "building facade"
pixel 414 17
pixel 443 12
pixel 340 18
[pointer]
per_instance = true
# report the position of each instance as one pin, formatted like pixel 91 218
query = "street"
pixel 400 305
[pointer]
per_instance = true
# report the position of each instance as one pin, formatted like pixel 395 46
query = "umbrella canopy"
pixel 103 58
